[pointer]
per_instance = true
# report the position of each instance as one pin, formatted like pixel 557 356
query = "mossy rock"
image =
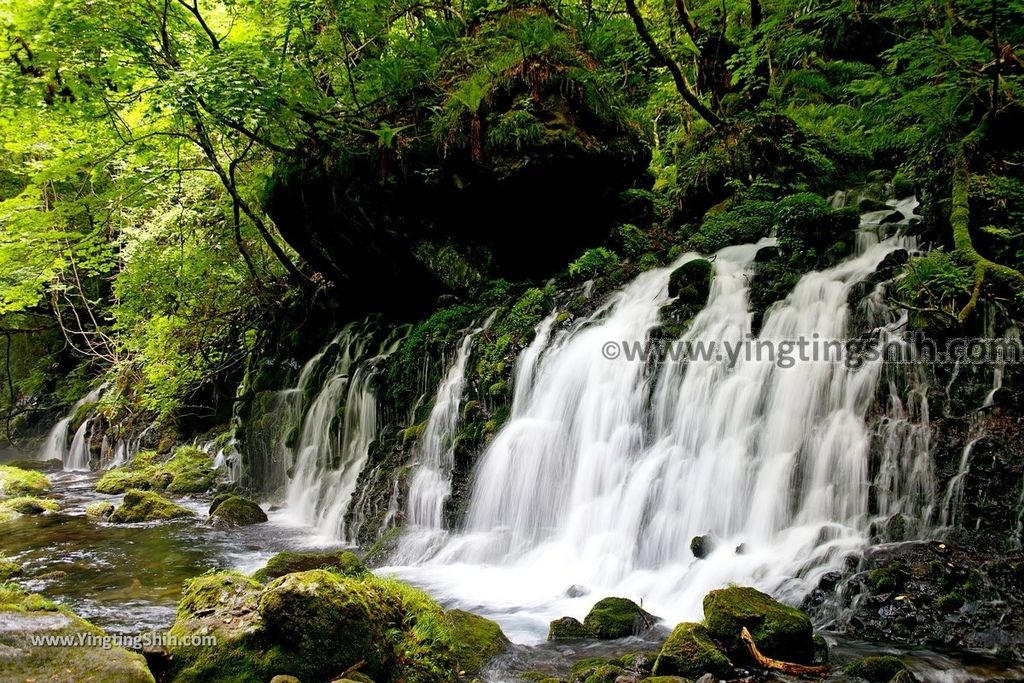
pixel 52 465
pixel 18 482
pixel 188 470
pixel 476 640
pixel 343 562
pixel 146 506
pixel 28 505
pixel 24 616
pixel 237 511
pixel 689 651
pixel 878 669
pixel 191 471
pixel 121 479
pixel 666 679
pixel 595 671
pixel 8 568
pixel 313 625
pixel 617 618
pixel 780 632
pixel 101 509
pixel 567 628
pixel 218 499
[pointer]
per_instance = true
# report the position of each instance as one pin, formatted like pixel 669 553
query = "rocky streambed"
pixel 141 583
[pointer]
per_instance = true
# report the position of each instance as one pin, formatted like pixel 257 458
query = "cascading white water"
pixel 608 468
pixel 430 483
pixel 76 456
pixel 329 457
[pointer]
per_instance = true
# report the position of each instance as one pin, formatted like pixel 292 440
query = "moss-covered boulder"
pixel 567 628
pixel 121 479
pixel 188 470
pixel 343 562
pixel 476 640
pixel 147 506
pixel 51 465
pixel 237 511
pixel 18 482
pixel 689 651
pixel 25 616
pixel 101 509
pixel 8 568
pixel 617 618
pixel 29 505
pixel 879 669
pixel 780 632
pixel 314 625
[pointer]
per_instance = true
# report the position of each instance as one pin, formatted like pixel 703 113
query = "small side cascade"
pixel 430 482
pixel 76 455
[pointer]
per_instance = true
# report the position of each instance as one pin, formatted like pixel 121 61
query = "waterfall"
pixel 430 483
pixel 337 430
pixel 608 468
pixel 80 453
pixel 75 457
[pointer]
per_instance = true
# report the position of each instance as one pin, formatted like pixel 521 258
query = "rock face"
pixel 690 652
pixel 237 511
pixel 342 562
pixel 315 624
pixel 146 506
pixel 617 618
pixel 24 616
pixel 934 594
pixel 780 632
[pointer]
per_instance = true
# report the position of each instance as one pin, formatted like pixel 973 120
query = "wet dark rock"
pixel 702 546
pixel 935 594
pixel 576 591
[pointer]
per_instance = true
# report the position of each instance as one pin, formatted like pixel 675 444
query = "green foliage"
pixel 632 240
pixel 747 222
pixel 592 263
pixel 936 286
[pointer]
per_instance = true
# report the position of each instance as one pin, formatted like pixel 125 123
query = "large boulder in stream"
pixel 779 631
pixel 617 618
pixel 314 625
pixel 343 562
pixel 690 652
pixel 79 650
pixel 188 470
pixel 237 511
pixel 146 506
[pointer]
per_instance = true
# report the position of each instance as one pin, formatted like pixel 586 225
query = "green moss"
pixel 884 579
pixel 18 482
pixel 632 240
pixel 876 669
pixel 27 505
pixel 8 568
pixel 616 618
pixel 313 625
pixel 188 470
pixel 191 471
pixel 342 562
pixel 950 602
pixel 476 641
pixel 119 480
pixel 101 508
pixel 238 511
pixel 749 221
pixel 146 506
pixel 780 631
pixel 689 651
pixel 567 628
pixel 592 263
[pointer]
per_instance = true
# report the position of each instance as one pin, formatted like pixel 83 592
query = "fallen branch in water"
pixel 785 667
